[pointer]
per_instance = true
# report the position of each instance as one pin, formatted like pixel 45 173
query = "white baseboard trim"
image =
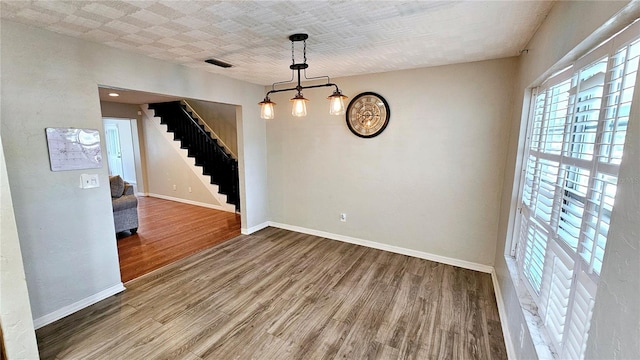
pixel 192 202
pixel 78 305
pixel 394 249
pixel 502 312
pixel 251 230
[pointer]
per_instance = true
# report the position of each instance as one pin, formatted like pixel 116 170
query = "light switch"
pixel 89 181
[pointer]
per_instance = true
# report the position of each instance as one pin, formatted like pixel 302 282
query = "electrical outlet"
pixel 175 187
pixel 343 217
pixel 521 335
pixel 189 188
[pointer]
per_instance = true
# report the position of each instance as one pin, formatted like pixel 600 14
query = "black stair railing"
pixel 208 154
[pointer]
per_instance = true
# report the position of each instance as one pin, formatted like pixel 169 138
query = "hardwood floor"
pixel 169 231
pixel 278 294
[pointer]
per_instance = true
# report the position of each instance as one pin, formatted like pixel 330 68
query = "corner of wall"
pixel 15 311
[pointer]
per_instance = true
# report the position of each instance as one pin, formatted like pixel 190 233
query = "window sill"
pixel 535 325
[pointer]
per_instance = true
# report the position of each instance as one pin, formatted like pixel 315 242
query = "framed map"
pixel 74 149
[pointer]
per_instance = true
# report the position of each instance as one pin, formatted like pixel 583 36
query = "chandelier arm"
pixel 317 86
pixel 279 90
pixel 316 77
pixel 302 88
pixel 273 86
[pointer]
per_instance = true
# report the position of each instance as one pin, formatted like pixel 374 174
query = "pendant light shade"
pixel 266 108
pixel 336 103
pixel 299 108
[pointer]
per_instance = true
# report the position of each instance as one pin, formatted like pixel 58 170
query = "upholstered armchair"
pixel 125 205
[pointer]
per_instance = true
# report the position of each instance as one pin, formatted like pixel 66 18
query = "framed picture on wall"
pixel 74 149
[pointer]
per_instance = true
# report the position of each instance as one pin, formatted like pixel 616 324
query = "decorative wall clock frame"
pixel 368 114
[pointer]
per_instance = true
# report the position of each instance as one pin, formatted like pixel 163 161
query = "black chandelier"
pixel 299 109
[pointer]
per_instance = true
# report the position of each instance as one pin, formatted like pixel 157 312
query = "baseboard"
pixel 253 229
pixel 394 249
pixel 502 312
pixel 78 305
pixel 191 202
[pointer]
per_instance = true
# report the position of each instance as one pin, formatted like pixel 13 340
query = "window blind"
pixel 578 124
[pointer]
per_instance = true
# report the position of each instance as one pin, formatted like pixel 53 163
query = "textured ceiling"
pixel 345 37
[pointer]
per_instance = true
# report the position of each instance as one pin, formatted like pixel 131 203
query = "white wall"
pixel 431 182
pixel 572 27
pixel 52 80
pixel 15 313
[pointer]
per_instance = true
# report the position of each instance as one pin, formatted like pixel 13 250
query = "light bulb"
pixel 336 103
pixel 266 109
pixel 299 108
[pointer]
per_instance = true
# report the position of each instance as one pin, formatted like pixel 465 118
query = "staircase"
pixel 207 152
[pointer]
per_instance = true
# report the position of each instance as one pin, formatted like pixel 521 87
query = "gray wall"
pixel 431 182
pixel 67 233
pixel 555 40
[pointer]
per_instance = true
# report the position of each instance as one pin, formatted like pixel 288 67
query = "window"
pixel 578 123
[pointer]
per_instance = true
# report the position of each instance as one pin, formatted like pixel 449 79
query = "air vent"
pixel 218 63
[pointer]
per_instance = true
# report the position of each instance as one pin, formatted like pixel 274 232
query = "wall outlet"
pixel 189 188
pixel 343 217
pixel 521 335
pixel 175 187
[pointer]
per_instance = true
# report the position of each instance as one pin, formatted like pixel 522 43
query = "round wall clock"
pixel 367 114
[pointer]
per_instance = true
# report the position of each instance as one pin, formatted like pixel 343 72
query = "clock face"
pixel 367 114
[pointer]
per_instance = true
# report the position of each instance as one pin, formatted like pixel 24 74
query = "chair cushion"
pixel 117 186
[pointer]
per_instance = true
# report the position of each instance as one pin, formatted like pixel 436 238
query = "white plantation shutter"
pixel 533 254
pixel 574 192
pixel 579 317
pixel 578 123
pixel 597 219
pixel 559 277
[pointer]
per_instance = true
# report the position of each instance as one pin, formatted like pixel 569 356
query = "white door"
pixel 114 153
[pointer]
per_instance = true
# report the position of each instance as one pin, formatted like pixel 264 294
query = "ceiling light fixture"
pixel 114 94
pixel 299 108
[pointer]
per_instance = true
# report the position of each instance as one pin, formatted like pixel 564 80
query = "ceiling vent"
pixel 218 63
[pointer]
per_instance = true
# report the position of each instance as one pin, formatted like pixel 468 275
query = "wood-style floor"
pixel 169 231
pixel 278 294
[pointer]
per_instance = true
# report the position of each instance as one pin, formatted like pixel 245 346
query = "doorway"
pixel 174 217
pixel 120 149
